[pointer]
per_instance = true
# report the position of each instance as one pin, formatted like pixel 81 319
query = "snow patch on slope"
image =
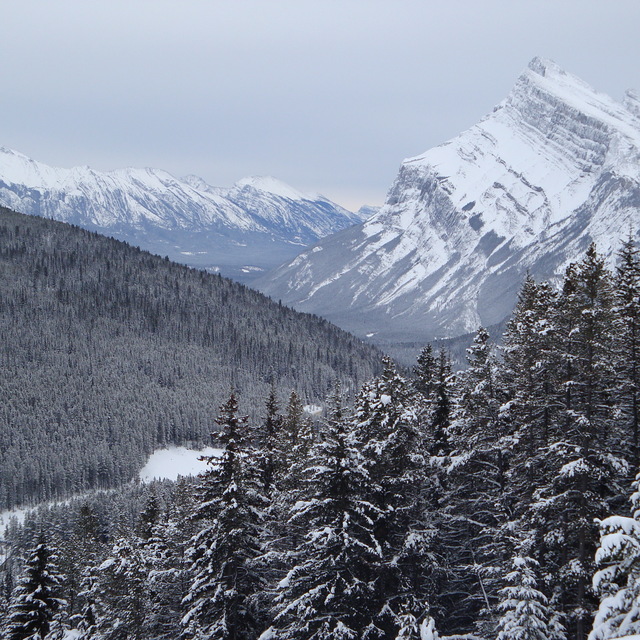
pixel 271 185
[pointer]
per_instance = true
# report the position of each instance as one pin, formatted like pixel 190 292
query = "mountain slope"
pixel 257 224
pixel 109 352
pixel 555 166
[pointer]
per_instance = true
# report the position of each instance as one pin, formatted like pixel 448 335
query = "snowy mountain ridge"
pixel 257 223
pixel 553 167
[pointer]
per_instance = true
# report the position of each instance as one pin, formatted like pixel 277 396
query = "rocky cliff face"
pixel 555 166
pixel 255 225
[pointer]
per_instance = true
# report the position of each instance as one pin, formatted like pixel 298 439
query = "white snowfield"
pixel 169 464
pixel 163 464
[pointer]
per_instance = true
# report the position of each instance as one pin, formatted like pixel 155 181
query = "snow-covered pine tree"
pixel 441 414
pixel 526 614
pixel 617 579
pixel 327 592
pixel 528 377
pixel 425 371
pixel 477 505
pixel 397 461
pixel 36 606
pixel 627 319
pixel 116 594
pixel 581 468
pixel 166 573
pixel 220 603
pixel 432 384
pixel 270 457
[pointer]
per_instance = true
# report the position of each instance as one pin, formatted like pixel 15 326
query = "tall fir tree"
pixel 581 468
pixel 116 594
pixel 397 460
pixel 617 579
pixel 327 592
pixel 221 601
pixel 478 503
pixel 627 324
pixel 36 605
pixel 525 610
pixel 528 376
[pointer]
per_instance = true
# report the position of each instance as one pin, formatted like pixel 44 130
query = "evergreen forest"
pixel 109 352
pixel 500 502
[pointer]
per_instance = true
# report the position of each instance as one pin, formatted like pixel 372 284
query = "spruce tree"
pixel 116 594
pixel 36 603
pixel 617 579
pixel 270 457
pixel 327 591
pixel 477 506
pixel 524 608
pixel 627 324
pixel 397 460
pixel 530 380
pixel 442 407
pixel 220 603
pixel 581 468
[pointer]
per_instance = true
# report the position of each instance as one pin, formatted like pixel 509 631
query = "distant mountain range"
pixel 255 225
pixel 554 167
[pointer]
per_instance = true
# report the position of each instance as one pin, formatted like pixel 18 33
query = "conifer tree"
pixel 441 415
pixel 220 602
pixel 327 592
pixel 581 467
pixel 270 457
pixel 398 465
pixel 617 579
pixel 166 570
pixel 425 371
pixel 116 594
pixel 525 611
pixel 528 374
pixel 627 323
pixel 36 605
pixel 477 505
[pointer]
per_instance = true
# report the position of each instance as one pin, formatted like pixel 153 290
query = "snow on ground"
pixel 168 464
pixel 7 516
pixel 312 409
pixel 164 464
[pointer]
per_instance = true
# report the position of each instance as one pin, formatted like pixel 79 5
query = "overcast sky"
pixel 326 95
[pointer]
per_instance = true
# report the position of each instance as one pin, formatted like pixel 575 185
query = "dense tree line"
pixel 498 502
pixel 109 352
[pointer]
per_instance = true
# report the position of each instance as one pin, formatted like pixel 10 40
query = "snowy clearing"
pixel 168 464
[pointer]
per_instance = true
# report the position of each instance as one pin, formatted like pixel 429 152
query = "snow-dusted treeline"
pixel 471 504
pixel 109 352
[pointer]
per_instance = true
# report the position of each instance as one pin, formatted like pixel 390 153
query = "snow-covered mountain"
pixel 257 224
pixel 555 166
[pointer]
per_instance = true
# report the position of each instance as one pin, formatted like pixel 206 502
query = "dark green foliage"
pixel 108 352
pixel 329 589
pixel 225 582
pixel 36 601
pixel 627 302
pixel 470 501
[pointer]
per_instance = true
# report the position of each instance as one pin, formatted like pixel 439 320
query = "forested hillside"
pixel 109 352
pixel 497 503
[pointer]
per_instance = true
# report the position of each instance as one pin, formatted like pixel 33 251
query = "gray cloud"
pixel 326 95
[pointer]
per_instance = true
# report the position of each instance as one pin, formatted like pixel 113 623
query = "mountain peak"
pixel 542 66
pixel 527 188
pixel 269 184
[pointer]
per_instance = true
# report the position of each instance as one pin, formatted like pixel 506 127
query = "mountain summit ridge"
pixel 256 224
pixel 553 167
